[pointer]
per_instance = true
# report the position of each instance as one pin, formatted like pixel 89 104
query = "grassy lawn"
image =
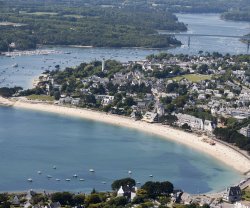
pixel 39 13
pixel 193 77
pixel 73 16
pixel 41 97
pixel 246 194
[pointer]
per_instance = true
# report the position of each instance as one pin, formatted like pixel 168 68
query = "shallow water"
pixel 32 141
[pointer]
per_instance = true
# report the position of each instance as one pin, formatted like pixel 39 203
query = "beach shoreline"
pixel 219 151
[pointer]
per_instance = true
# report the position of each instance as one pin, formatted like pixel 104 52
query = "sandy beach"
pixel 219 151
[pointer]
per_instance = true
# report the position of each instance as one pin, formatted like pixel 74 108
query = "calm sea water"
pixel 32 66
pixel 31 141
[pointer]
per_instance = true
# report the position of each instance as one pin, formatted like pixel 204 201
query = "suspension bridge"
pixel 243 38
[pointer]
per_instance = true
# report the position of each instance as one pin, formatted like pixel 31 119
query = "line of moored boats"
pixel 57 179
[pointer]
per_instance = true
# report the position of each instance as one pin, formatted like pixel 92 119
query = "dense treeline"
pixel 237 16
pixel 95 26
pixel 8 92
pixel 231 134
pixel 199 6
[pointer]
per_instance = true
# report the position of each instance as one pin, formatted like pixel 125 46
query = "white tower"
pixel 103 65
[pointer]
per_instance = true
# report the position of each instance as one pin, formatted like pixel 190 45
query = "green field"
pixel 39 13
pixel 73 16
pixel 193 77
pixel 41 97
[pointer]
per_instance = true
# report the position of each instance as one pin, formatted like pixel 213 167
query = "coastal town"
pixel 125 103
pixel 127 193
pixel 205 95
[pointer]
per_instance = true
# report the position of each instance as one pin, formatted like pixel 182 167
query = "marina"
pixel 13 54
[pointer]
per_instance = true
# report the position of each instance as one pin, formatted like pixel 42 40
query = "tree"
pixel 8 92
pixel 88 99
pixel 3 197
pixel 185 126
pixel 57 95
pixel 129 101
pixel 167 187
pixel 123 182
pixel 138 200
pixel 118 201
pixel 93 199
pixel 65 198
pixel 203 69
pixel 38 198
pixel 166 100
pixel 172 87
pixel 79 199
pixel 155 189
pixel 170 119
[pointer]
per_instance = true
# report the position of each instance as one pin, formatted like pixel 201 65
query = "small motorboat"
pixel 129 172
pixel 29 179
pixel 103 182
pixel 39 172
pixel 75 176
pixel 15 65
pixel 67 179
pixel 54 167
pixel 81 179
pixel 91 170
pixel 49 176
pixel 151 176
pixel 57 179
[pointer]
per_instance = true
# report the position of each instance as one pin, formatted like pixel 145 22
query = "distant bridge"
pixel 208 35
pixel 245 38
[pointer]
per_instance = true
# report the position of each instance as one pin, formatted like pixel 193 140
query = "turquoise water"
pixel 32 141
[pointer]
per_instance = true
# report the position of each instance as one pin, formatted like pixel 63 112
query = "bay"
pixel 32 141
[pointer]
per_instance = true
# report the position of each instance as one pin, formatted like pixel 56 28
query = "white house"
pixel 15 200
pixel 242 204
pixel 128 192
pixel 208 126
pixel 193 122
pixel 245 131
pixel 150 117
